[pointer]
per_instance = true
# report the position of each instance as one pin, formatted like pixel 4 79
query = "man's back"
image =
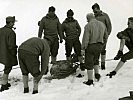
pixel 96 30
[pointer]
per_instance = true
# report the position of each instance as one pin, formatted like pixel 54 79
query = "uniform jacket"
pixel 126 34
pixel 51 27
pixel 103 17
pixel 94 32
pixel 38 47
pixel 71 28
pixel 8 47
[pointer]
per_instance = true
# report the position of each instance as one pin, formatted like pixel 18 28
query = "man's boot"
pixel 97 75
pixel 5 85
pixel 90 77
pixel 25 82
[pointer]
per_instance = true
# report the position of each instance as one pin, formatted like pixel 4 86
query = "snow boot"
pixel 89 82
pixel 113 73
pixel 35 92
pixel 8 85
pixel 119 55
pixel 26 90
pixel 131 94
pixel 97 76
pixel 4 87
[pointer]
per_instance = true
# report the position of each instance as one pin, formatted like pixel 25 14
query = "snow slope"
pixel 29 12
pixel 72 88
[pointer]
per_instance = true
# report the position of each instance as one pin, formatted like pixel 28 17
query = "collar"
pixel 99 13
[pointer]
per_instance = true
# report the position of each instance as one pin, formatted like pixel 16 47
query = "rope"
pixel 19 67
pixel 108 60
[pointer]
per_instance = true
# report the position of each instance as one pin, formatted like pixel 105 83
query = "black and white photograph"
pixel 66 50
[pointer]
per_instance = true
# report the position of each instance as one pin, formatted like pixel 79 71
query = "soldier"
pixel 73 30
pixel 126 38
pixel 93 39
pixel 28 53
pixel 8 50
pixel 103 17
pixel 51 26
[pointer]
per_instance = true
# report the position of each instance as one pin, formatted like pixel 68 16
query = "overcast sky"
pixel 29 12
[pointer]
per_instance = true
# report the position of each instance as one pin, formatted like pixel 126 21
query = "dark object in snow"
pixel 89 82
pixel 35 92
pixel 126 98
pixel 62 69
pixel 97 76
pixel 113 73
pixel 26 90
pixel 131 94
pixel 119 55
pixel 5 87
pixel 79 76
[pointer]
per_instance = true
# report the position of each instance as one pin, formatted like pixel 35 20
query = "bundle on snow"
pixel 62 69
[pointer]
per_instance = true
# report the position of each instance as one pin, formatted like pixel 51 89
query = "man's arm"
pixel 12 43
pixel 63 30
pixel 45 60
pixel 78 28
pixel 85 39
pixel 108 24
pixel 60 31
pixel 123 35
pixel 41 27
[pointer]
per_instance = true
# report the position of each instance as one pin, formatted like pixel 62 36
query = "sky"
pixel 29 12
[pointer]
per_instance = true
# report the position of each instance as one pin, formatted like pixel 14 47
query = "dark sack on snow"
pixel 126 98
pixel 62 69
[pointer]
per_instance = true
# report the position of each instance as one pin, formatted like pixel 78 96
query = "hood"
pixel 98 13
pixel 67 20
pixel 54 17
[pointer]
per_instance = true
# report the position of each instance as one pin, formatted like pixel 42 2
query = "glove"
pixel 113 73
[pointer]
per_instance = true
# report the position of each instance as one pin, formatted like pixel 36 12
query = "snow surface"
pixel 29 12
pixel 72 88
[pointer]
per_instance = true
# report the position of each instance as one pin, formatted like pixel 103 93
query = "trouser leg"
pixel 25 81
pixel 5 79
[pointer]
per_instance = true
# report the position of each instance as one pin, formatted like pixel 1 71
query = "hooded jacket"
pixel 37 47
pixel 71 28
pixel 8 47
pixel 51 27
pixel 103 17
pixel 127 34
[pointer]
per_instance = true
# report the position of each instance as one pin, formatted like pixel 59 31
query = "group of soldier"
pixel 96 33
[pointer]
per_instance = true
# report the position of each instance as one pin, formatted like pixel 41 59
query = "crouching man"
pixel 95 34
pixel 126 38
pixel 28 54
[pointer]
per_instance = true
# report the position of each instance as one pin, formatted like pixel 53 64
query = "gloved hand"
pixel 113 73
